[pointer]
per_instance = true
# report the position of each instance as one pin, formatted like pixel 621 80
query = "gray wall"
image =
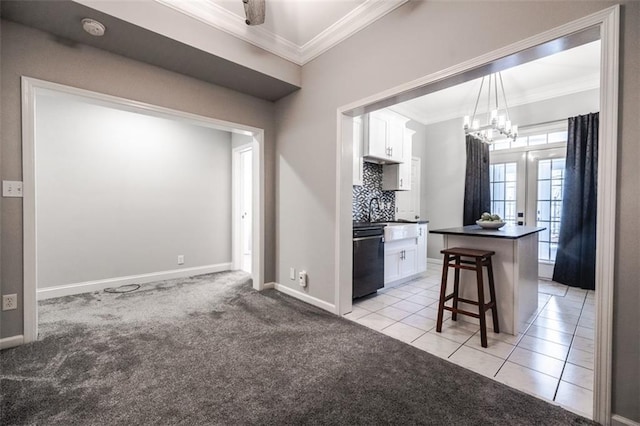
pixel 415 40
pixel 33 53
pixel 122 193
pixel 441 147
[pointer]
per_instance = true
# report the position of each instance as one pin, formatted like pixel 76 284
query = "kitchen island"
pixel 515 269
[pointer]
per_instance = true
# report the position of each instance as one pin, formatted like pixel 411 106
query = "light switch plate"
pixel 11 188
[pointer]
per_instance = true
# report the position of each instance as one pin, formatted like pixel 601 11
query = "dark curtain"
pixel 477 194
pixel 576 256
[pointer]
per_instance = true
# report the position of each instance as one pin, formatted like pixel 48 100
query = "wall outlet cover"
pixel 181 259
pixel 11 188
pixel 9 302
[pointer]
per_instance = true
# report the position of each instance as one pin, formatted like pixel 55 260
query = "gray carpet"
pixel 210 350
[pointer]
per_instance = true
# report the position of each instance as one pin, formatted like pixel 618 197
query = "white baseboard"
pixel 305 297
pixel 98 285
pixel 11 342
pixel 267 286
pixel 617 420
pixel 434 261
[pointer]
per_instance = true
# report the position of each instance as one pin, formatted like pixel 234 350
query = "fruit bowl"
pixel 490 224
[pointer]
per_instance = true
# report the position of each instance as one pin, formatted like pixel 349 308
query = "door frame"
pixel 608 23
pixel 30 87
pixel 236 223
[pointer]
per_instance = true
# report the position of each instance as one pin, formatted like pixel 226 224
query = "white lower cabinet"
pixel 405 258
pixel 400 259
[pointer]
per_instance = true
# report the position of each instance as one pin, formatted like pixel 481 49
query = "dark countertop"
pixel 509 232
pixel 365 224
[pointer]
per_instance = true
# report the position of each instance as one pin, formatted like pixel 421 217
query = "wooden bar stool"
pixel 459 258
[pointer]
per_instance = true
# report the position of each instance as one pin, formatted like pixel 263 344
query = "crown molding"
pixel 544 93
pixel 216 16
pixel 360 17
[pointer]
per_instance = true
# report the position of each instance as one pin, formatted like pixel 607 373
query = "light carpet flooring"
pixel 552 359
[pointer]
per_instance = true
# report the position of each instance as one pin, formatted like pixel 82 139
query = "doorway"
pixel 527 179
pixel 32 89
pixel 242 207
pixel 606 24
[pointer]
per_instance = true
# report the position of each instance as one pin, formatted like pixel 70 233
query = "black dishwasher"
pixel 368 259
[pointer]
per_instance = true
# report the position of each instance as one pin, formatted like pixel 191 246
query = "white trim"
pixel 551 91
pixel 304 297
pixel 617 420
pixel 608 21
pixel 11 342
pixel 29 88
pixel 268 286
pixel 606 212
pixel 356 20
pixel 434 261
pixel 98 285
pixel 222 19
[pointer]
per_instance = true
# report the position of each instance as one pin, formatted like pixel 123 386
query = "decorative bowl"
pixel 490 224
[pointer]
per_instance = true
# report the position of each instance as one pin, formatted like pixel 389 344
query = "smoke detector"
pixel 93 27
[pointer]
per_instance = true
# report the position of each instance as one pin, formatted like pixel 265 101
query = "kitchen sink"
pixel 400 231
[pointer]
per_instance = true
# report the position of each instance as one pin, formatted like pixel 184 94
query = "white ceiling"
pixel 571 71
pixel 297 30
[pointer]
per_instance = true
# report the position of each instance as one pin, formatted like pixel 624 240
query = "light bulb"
pixel 475 125
pixel 466 121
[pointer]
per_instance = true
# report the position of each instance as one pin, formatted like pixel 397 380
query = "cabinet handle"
pixel 391 150
pixel 400 182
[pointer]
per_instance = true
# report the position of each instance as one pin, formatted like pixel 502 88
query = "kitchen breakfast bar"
pixel 515 269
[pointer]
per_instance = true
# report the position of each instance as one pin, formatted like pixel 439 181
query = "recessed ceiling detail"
pixel 331 31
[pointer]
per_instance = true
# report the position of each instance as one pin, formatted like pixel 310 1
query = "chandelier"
pixel 498 122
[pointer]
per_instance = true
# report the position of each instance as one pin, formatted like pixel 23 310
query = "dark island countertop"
pixel 509 232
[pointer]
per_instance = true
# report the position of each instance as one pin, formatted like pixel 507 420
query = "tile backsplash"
pixel 372 188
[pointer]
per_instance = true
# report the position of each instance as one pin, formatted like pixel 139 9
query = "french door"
pixel 526 189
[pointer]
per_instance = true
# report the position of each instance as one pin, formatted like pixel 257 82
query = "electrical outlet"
pixel 9 302
pixel 181 259
pixel 302 278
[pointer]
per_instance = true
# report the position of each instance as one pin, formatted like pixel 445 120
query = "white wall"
pixel 120 193
pixel 441 146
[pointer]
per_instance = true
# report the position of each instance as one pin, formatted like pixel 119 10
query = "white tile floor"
pixel 552 359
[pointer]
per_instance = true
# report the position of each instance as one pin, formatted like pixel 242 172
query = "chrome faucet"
pixel 370 207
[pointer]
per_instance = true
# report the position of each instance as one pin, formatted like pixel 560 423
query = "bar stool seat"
pixel 473 260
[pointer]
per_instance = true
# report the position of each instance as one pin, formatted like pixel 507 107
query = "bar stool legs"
pixel 480 258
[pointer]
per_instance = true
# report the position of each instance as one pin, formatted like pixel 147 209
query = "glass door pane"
pixel 549 205
pixel 504 180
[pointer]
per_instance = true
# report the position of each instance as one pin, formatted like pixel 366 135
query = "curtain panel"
pixel 576 257
pixel 477 192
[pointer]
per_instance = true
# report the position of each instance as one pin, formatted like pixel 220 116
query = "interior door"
pixel 246 237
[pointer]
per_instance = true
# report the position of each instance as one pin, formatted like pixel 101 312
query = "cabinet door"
pixel 396 140
pixel 409 262
pixel 377 137
pixel 391 265
pixel 408 202
pixel 358 140
pixel 422 248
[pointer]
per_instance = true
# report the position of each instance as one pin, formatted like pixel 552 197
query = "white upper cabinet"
pixel 358 142
pixel 384 137
pixel 397 177
pixel 408 202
